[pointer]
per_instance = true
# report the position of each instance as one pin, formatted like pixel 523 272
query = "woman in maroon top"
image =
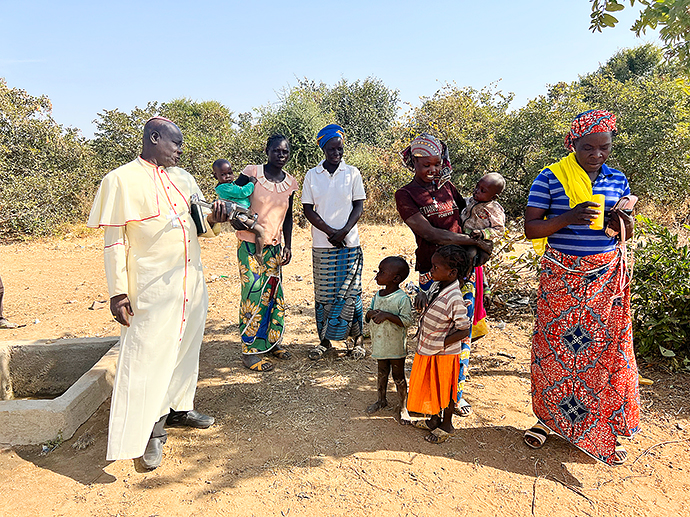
pixel 430 205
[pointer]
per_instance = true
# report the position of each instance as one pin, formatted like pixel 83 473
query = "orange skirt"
pixel 433 381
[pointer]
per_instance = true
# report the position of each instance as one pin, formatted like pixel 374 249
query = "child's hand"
pixel 476 234
pixel 370 314
pixel 421 301
pixel 380 316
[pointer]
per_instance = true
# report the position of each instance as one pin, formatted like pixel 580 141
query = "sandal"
pixel 280 353
pixel 4 324
pixel 421 424
pixel 438 436
pixel 318 352
pixel 620 454
pixel 462 408
pixel 358 352
pixel 536 436
pixel 260 365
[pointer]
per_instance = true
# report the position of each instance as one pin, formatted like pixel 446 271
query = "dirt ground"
pixel 297 441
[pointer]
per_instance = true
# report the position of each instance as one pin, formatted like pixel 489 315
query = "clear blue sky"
pixel 90 56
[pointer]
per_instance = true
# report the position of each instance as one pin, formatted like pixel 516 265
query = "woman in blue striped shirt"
pixel 584 374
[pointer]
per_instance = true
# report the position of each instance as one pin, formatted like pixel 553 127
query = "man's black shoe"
pixel 153 455
pixel 189 419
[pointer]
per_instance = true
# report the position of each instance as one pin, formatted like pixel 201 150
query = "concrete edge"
pixel 28 422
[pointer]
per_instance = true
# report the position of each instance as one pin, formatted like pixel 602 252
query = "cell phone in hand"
pixel 624 204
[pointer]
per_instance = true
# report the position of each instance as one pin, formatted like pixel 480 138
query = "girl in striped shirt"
pixel 433 387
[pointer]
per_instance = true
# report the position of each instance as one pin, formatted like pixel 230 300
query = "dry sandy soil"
pixel 297 441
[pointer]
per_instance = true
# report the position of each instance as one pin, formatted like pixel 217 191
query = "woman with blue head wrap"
pixel 333 200
pixel 328 132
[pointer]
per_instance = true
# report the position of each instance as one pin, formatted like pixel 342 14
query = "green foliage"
pixel 46 171
pixel 530 138
pixel 208 135
pixel 671 16
pixel 209 129
pixel 652 147
pixel 383 173
pixel 631 63
pixel 118 135
pixel 661 292
pixel 366 110
pixel 512 273
pixel 653 142
pixel 465 119
pixel 298 116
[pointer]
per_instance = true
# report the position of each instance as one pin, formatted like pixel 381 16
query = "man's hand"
pixel 219 214
pixel 121 309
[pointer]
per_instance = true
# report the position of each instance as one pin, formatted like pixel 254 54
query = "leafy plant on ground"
pixel 661 293
pixel 511 273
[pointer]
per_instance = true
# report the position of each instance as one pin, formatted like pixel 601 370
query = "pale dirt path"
pixel 296 441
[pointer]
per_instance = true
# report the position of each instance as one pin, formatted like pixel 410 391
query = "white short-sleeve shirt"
pixel 332 196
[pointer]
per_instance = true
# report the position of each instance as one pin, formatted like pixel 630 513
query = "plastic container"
pixel 598 223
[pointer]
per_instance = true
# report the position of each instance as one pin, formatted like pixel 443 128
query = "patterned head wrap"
pixel 592 121
pixel 330 131
pixel 428 145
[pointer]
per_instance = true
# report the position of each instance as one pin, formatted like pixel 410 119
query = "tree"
pixel 632 63
pixel 46 171
pixel 465 119
pixel 117 139
pixel 531 137
pixel 652 146
pixel 298 116
pixel 672 16
pixel 366 110
pixel 209 129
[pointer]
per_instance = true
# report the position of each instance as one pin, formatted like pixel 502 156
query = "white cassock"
pixel 152 254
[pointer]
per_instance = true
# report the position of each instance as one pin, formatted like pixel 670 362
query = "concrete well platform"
pixel 77 375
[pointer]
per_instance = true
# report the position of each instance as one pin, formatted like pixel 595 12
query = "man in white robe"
pixel 157 293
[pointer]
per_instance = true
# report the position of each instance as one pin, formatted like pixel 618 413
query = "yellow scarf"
pixel 577 186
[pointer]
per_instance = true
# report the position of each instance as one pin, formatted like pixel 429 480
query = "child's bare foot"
pixel 433 422
pixel 379 404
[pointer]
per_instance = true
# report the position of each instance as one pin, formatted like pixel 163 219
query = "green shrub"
pixel 46 171
pixel 512 273
pixel 661 293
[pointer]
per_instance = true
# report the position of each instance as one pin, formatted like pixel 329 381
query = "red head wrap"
pixel 592 121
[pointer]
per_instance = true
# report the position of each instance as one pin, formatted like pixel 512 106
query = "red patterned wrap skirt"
pixel 584 373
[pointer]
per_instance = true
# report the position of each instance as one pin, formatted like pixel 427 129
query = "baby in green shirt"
pixel 241 218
